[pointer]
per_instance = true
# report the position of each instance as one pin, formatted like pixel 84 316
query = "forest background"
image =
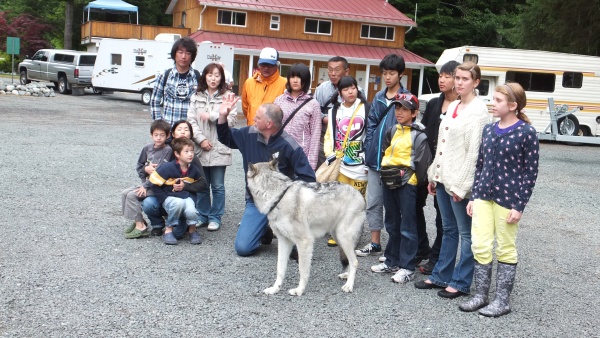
pixel 551 25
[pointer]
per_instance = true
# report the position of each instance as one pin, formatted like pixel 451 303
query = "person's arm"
pixel 373 120
pixel 157 180
pixel 223 129
pixel 329 139
pixel 193 115
pixel 479 166
pixel 245 100
pixel 302 169
pixel 157 97
pixel 422 159
pixel 141 165
pixel 314 139
pixel 531 153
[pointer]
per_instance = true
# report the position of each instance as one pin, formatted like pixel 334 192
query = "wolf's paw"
pixel 296 292
pixel 343 275
pixel 272 290
pixel 347 288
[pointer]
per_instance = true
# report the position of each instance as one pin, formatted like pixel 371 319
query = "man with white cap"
pixel 264 86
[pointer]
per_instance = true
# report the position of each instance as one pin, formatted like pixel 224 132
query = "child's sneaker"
pixel 383 268
pixel 403 276
pixel 381 259
pixel 169 238
pixel 195 238
pixel 369 249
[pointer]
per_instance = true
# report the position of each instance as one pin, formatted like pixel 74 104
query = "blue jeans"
pixel 401 248
pixel 251 230
pixel 215 176
pixel 156 213
pixel 455 222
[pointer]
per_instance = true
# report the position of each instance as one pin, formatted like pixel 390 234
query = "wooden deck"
pixel 117 30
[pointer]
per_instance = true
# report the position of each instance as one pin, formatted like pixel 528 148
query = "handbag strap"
pixel 350 126
pixel 295 111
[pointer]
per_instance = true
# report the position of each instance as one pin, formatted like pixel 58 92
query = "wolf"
pixel 300 212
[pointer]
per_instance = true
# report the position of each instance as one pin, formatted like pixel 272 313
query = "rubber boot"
pixel 505 279
pixel 482 276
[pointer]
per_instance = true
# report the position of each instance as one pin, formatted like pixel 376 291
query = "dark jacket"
pixel 254 148
pixel 167 174
pixel 431 121
pixel 377 124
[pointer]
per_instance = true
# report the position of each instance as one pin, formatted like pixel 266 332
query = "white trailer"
pixel 133 65
pixel 570 79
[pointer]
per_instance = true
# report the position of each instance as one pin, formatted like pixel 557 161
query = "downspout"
pixel 200 26
pixel 411 27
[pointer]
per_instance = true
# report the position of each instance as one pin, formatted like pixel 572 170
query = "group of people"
pixel 481 173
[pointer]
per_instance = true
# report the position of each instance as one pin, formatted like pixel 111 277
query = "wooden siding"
pixel 292 27
pixel 117 30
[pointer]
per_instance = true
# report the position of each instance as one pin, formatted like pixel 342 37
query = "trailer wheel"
pixel 63 85
pixel 23 77
pixel 568 125
pixel 146 95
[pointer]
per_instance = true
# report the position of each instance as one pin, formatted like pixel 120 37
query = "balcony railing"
pixel 117 30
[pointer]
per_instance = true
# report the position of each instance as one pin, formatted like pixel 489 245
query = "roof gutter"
pixel 411 27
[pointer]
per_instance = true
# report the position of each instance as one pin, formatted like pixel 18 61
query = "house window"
pixel 140 61
pixel 314 26
pixel 183 19
pixel 572 80
pixel 274 22
pixel 231 18
pixel 471 57
pixel 115 59
pixel 531 81
pixel 377 32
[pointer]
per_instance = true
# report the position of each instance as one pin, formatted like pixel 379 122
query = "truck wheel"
pixel 63 85
pixel 568 125
pixel 146 95
pixel 23 77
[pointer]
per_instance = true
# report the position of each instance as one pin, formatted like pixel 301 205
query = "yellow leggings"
pixel 489 219
pixel 359 185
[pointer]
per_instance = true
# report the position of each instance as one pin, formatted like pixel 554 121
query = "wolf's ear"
pixel 251 169
pixel 274 163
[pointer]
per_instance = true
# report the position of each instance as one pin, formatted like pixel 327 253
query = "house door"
pixel 236 77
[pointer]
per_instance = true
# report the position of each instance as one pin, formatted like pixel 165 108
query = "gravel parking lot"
pixel 66 269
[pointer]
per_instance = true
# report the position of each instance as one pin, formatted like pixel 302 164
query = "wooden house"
pixel 306 31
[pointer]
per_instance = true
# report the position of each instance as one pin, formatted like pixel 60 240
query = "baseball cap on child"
pixel 408 100
pixel 268 55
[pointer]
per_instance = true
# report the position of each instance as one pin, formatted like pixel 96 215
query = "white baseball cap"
pixel 268 55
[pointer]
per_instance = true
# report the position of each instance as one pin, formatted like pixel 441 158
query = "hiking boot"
pixel 505 280
pixel 482 275
pixel 403 276
pixel 267 238
pixel 213 226
pixel 169 239
pixel 369 249
pixel 195 238
pixel 331 242
pixel 383 268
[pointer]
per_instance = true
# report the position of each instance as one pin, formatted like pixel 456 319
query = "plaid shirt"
pixel 174 108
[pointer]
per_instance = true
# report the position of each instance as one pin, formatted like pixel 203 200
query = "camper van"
pixel 570 79
pixel 133 65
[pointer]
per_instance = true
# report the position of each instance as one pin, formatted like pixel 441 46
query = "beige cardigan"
pixel 458 147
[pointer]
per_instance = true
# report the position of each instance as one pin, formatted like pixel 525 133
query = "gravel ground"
pixel 66 270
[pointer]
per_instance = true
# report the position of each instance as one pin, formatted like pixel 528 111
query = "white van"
pixel 570 79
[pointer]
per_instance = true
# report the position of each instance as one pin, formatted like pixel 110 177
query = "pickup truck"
pixel 67 69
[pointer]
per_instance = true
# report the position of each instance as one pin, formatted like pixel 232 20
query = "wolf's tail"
pixel 343 259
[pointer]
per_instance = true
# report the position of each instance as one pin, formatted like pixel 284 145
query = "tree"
pixel 68 36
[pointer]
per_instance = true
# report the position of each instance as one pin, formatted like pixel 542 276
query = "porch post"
pixel 250 67
pixel 421 75
pixel 366 80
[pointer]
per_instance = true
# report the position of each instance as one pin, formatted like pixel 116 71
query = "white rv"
pixel 570 79
pixel 133 65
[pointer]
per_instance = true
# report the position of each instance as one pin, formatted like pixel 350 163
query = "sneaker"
pixel 267 238
pixel 382 259
pixel 427 268
pixel 369 249
pixel 403 276
pixel 195 238
pixel 331 242
pixel 169 239
pixel 213 226
pixel 383 268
